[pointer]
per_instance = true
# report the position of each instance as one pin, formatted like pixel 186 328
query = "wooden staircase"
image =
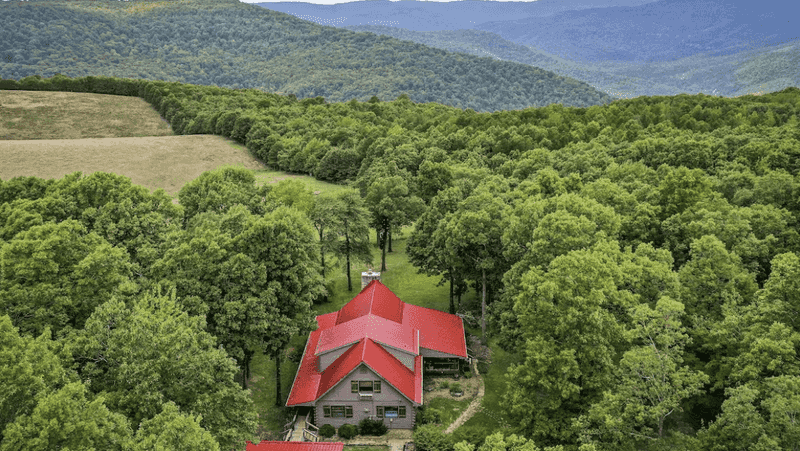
pixel 300 429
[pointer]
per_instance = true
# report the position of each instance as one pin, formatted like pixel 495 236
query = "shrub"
pixel 348 431
pixel 429 416
pixel 456 387
pixel 445 384
pixel 327 431
pixel 475 435
pixel 372 427
pixel 468 375
pixel 430 437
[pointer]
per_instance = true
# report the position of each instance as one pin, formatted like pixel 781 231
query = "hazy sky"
pixel 332 2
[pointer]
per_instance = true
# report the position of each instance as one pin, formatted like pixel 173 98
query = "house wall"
pixel 323 360
pixel 404 357
pixel 340 395
pixel 431 353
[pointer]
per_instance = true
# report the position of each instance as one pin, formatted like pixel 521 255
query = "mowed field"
pixel 52 134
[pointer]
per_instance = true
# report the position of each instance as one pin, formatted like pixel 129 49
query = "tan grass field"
pixel 52 134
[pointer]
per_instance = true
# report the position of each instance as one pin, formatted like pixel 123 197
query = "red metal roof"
pixel 266 445
pixel 384 331
pixel 375 316
pixel 374 299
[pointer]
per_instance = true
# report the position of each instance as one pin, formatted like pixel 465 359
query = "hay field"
pixel 52 134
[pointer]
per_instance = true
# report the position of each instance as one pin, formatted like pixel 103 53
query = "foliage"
pixel 455 387
pixel 327 431
pixel 54 275
pixel 428 415
pixel 29 369
pixel 151 352
pixel 372 427
pixel 347 431
pixel 430 437
pixel 474 435
pixel 69 419
pixel 174 430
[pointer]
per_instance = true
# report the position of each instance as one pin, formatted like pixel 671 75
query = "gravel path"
pixel 473 406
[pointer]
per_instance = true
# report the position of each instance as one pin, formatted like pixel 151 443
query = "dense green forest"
pixel 639 258
pixel 236 45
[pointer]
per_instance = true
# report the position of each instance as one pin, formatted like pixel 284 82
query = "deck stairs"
pixel 300 429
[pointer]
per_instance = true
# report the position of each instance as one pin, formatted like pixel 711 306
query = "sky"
pixel 333 2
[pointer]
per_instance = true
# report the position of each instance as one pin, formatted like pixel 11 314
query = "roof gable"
pixel 374 299
pixel 377 328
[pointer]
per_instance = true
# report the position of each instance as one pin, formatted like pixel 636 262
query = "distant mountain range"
pixel 623 47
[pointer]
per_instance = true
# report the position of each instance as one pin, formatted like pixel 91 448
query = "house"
pixel 294 446
pixel 366 360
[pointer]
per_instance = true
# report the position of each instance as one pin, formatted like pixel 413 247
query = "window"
pixel 365 386
pixel 391 411
pixel 337 411
pixel 353 386
pixel 377 387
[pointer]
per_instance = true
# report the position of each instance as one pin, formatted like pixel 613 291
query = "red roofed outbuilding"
pixel 294 446
pixel 365 361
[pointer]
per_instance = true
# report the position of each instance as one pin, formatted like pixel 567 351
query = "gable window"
pixel 337 411
pixel 376 387
pixel 353 386
pixel 365 386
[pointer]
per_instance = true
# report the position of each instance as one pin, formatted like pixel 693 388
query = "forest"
pixel 230 44
pixel 639 258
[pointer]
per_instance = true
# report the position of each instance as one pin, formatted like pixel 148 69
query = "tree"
pixel 392 205
pixel 29 368
pixel 473 236
pixel 572 319
pixel 150 352
pixel 66 419
pixel 173 430
pixel 221 189
pixel 430 437
pixel 512 442
pixel 283 246
pixel 292 193
pixel 54 275
pixel 254 277
pixel 323 216
pixel 428 255
pixel 353 224
pixel 651 384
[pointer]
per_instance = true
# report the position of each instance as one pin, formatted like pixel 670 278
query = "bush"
pixel 475 435
pixel 445 384
pixel 348 431
pixel 372 427
pixel 456 387
pixel 468 375
pixel 429 416
pixel 327 431
pixel 430 437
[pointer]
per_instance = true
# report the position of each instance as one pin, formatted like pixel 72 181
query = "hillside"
pixel 229 44
pixel 763 69
pixel 624 48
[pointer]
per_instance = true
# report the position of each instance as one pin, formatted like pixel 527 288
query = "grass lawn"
pixel 449 409
pixel 492 415
pixel 269 176
pixel 262 387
